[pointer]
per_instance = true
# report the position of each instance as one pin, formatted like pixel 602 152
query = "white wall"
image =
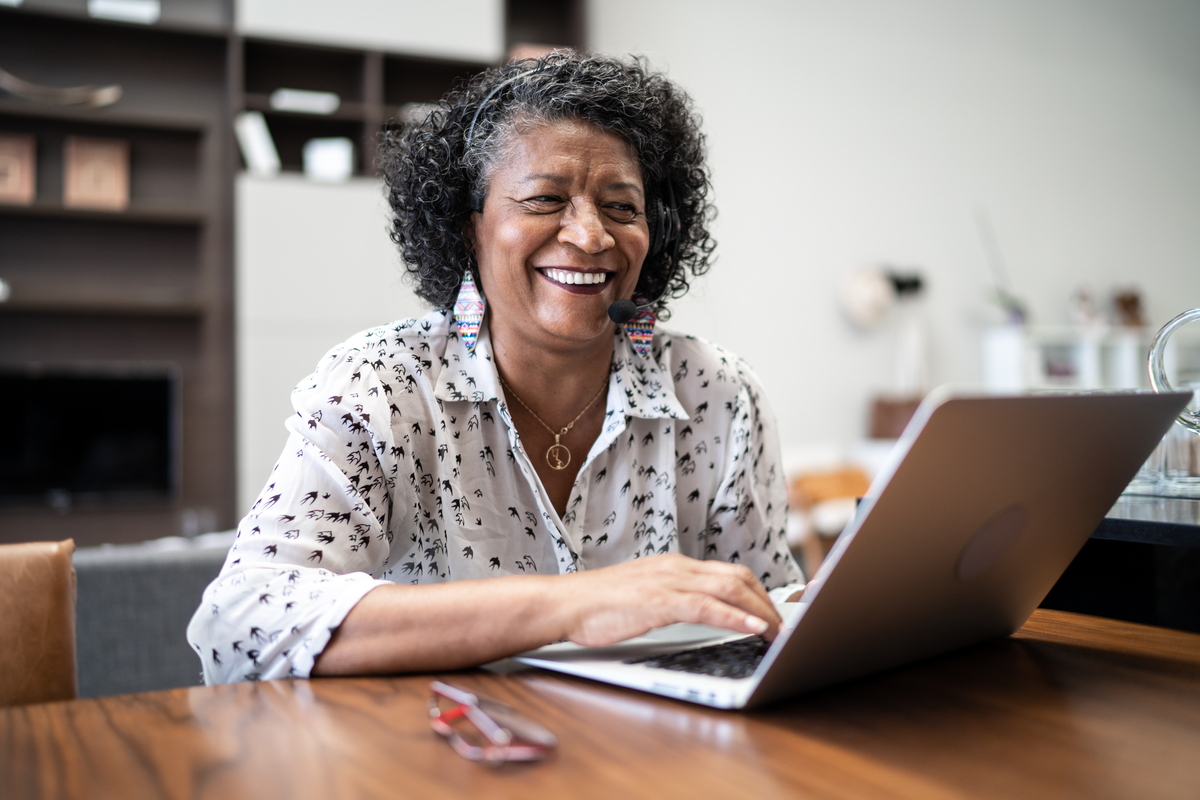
pixel 469 29
pixel 314 266
pixel 862 131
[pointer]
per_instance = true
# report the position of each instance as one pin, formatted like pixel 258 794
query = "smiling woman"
pixel 527 207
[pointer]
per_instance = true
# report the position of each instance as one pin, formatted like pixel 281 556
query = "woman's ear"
pixel 469 230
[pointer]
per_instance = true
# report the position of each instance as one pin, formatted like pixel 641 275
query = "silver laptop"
pixel 982 505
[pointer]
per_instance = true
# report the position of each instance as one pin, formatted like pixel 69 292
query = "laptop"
pixel 980 508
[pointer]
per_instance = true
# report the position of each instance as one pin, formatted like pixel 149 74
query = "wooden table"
pixel 1071 706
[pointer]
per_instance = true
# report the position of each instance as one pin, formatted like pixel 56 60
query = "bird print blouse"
pixel 403 465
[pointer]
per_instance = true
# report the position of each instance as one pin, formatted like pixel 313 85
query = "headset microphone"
pixel 622 311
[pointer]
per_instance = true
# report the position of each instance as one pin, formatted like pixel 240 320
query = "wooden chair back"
pixel 37 623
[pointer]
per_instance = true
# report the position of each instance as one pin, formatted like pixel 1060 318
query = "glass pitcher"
pixel 1176 461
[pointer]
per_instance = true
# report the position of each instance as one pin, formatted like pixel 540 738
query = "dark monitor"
pixel 86 438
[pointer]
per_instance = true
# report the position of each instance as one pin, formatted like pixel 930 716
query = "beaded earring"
pixel 468 311
pixel 640 329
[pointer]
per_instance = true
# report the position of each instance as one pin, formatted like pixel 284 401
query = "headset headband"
pixel 490 95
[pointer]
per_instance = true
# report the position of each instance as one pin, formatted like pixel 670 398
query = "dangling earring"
pixel 640 329
pixel 468 311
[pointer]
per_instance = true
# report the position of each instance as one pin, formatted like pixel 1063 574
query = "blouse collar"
pixel 637 387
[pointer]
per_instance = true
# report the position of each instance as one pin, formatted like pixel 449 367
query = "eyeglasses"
pixel 484 730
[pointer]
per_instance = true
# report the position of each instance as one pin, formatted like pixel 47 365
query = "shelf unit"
pixel 152 285
pixel 371 86
pixel 1047 358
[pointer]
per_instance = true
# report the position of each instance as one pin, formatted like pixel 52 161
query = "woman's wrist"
pixel 560 595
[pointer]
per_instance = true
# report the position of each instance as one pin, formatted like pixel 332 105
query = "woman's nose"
pixel 583 227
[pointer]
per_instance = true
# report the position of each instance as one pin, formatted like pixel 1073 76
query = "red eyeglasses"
pixel 484 730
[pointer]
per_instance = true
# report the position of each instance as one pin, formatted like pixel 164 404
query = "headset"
pixel 662 216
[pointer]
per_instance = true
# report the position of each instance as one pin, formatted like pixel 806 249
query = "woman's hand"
pixel 614 603
pixel 399 628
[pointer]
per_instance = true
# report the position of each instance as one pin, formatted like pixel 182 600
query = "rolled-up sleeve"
pixel 316 539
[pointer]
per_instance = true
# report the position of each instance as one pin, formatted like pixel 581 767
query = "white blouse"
pixel 403 465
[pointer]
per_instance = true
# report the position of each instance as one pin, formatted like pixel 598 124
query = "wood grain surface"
pixel 1071 706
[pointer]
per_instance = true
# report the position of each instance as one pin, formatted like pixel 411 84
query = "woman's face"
pixel 562 234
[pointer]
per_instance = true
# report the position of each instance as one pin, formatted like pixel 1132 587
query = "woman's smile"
pixel 577 281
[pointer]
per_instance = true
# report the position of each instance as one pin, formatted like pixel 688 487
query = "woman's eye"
pixel 543 204
pixel 622 212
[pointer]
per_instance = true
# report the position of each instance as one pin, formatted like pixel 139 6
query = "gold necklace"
pixel 557 451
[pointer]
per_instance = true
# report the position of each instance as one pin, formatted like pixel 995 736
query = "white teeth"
pixel 572 277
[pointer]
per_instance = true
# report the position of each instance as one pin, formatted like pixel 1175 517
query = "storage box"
pixel 18 164
pixel 96 173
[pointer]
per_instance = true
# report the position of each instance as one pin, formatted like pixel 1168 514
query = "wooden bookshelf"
pixel 151 286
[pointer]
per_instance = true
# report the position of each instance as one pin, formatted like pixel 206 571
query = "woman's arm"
pixel 306 551
pixel 397 628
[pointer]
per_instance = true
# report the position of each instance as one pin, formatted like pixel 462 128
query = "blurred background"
pixel 993 193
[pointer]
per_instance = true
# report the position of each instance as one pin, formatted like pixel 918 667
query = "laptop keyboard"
pixel 736 659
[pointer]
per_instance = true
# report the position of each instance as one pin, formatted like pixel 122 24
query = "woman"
pixel 604 479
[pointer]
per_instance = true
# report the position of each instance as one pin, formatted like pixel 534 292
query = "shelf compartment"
pixel 88 265
pixel 272 65
pixel 168 80
pixel 53 338
pixel 164 165
pixel 45 245
pixel 125 454
pixel 291 131
pixel 408 79
pixel 552 22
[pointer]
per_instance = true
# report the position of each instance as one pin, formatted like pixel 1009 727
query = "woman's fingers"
pixel 736 595
pixel 630 599
pixel 756 589
pixel 707 610
pixel 736 586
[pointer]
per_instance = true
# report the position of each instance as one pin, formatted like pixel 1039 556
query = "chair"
pixel 135 602
pixel 37 622
pixel 823 503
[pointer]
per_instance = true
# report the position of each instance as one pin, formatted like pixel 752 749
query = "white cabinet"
pixel 458 29
pixel 314 265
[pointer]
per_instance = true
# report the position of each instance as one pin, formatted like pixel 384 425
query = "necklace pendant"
pixel 558 456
